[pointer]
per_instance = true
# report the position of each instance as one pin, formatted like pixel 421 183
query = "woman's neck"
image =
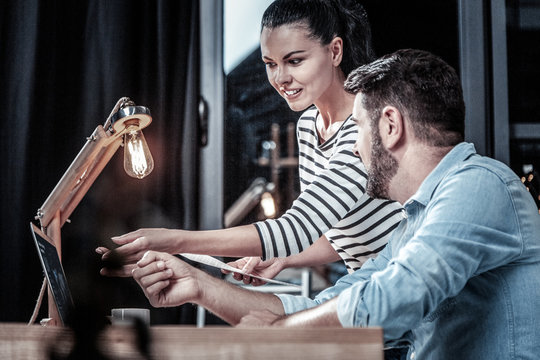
pixel 334 108
pixel 335 104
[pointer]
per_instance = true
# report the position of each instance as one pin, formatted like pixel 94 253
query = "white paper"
pixel 211 261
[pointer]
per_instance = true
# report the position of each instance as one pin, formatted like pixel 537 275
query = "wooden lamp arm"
pixel 79 177
pixel 83 171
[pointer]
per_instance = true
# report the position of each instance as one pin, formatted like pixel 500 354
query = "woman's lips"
pixel 290 94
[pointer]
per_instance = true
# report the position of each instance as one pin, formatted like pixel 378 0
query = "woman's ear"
pixel 336 48
pixel 391 127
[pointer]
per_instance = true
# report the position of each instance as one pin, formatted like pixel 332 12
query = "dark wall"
pixel 418 24
pixel 63 66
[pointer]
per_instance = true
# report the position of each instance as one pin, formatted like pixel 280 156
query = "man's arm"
pixel 324 315
pixel 168 281
pixel 323 310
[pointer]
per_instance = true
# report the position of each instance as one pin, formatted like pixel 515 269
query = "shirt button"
pixel 404 213
pixel 413 355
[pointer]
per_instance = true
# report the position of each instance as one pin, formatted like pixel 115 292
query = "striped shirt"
pixel 332 201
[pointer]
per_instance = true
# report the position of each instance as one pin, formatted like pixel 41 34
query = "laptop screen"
pixel 53 271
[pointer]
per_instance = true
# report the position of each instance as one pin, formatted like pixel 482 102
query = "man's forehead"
pixel 359 98
pixel 358 106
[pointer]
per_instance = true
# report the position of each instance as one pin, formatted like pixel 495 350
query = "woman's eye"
pixel 295 61
pixel 270 64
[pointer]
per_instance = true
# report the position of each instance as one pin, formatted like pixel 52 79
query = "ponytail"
pixel 356 35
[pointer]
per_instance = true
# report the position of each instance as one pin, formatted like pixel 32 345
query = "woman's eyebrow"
pixel 286 56
pixel 293 53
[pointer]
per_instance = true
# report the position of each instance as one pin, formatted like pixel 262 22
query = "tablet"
pixel 54 272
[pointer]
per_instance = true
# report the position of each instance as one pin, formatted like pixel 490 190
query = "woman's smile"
pixel 291 94
pixel 297 66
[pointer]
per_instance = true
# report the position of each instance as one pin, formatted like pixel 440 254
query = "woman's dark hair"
pixel 326 19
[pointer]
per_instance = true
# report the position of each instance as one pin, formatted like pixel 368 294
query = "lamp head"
pixel 129 115
pixel 129 121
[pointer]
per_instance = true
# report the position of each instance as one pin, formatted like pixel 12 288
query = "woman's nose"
pixel 355 149
pixel 282 76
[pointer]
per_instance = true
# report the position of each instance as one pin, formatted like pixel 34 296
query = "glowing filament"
pixel 138 161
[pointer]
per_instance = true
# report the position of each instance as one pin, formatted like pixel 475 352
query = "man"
pixel 460 277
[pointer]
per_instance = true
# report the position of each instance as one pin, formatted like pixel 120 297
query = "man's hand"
pixel 257 318
pixel 254 265
pixel 166 280
pixel 135 244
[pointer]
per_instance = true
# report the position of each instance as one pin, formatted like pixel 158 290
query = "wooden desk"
pixel 19 341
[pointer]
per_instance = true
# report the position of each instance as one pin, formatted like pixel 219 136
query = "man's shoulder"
pixel 462 170
pixel 482 182
pixel 478 165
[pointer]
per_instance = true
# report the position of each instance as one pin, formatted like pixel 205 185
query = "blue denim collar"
pixel 459 153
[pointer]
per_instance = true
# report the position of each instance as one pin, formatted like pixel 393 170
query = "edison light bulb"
pixel 138 161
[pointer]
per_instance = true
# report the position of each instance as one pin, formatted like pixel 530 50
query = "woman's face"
pixel 298 67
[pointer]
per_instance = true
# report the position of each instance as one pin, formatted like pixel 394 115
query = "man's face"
pixel 380 164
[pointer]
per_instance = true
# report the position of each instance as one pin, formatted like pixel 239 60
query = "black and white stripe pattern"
pixel 332 201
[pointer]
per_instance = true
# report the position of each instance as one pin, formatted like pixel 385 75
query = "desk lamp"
pixel 122 127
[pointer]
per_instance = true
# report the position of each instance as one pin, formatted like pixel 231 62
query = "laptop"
pixel 53 271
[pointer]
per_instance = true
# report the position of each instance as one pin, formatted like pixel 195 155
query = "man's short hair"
pixel 422 86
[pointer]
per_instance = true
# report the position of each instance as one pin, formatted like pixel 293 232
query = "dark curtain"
pixel 63 66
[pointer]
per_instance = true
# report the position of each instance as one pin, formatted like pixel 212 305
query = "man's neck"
pixel 415 164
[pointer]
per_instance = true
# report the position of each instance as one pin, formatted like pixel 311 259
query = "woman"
pixel 309 47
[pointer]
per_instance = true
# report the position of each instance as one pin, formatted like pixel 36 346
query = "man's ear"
pixel 336 47
pixel 391 127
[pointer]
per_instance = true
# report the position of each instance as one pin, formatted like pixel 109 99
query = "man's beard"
pixel 382 169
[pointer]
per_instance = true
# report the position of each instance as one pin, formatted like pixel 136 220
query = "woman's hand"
pixel 255 266
pixel 133 245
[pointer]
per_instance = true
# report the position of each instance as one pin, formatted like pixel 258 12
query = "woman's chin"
pixel 297 106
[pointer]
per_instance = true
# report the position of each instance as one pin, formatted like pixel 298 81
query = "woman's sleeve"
pixel 321 205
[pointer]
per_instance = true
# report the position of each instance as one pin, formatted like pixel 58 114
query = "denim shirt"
pixel 460 276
